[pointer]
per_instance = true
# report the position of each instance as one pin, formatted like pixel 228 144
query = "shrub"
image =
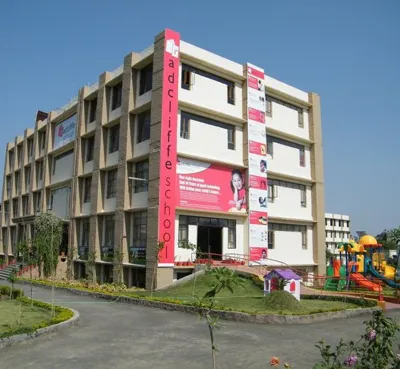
pixel 281 300
pixel 5 290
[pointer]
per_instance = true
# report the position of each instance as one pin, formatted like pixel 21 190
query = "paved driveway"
pixel 121 336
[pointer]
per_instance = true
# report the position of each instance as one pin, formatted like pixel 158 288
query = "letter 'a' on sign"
pixel 168 148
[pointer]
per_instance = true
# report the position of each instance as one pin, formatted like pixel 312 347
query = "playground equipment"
pixel 362 260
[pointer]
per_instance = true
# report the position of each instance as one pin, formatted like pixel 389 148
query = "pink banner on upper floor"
pixel 210 187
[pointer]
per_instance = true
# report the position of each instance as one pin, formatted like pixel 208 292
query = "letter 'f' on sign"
pixel 171 48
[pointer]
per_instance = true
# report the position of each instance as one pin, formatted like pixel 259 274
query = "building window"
pixel 111 184
pixel 92 108
pixel 268 106
pixel 231 93
pixel 143 126
pixel 17 184
pixel 37 198
pixel 113 139
pixel 185 126
pixel 139 229
pixel 231 234
pixel 8 186
pixel 304 240
pixel 142 172
pixel 42 141
pixel 59 157
pixel 87 185
pixel 146 79
pixel 40 170
pixel 85 232
pixel 231 138
pixel 272 191
pixel 303 192
pixel 109 231
pixel 186 78
pixel 270 146
pixel 271 240
pixel 116 96
pixel 300 118
pixel 25 205
pixel 19 154
pixel 6 211
pixel 30 148
pixel 89 150
pixel 302 157
pixel 10 160
pixel 28 179
pixel 183 231
pixel 15 208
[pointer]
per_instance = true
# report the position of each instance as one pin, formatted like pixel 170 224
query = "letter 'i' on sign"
pixel 168 148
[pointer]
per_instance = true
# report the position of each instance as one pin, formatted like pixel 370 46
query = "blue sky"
pixel 347 51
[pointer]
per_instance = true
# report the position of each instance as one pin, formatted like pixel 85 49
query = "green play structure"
pixel 334 283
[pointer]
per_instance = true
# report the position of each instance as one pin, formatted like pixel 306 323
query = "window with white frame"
pixel 231 234
pixel 141 172
pixel 139 229
pixel 183 230
pixel 268 106
pixel 303 196
pixel 113 139
pixel 185 126
pixel 270 146
pixel 111 183
pixel 300 117
pixel 143 126
pixel 116 96
pixel 231 138
pixel 302 157
pixel 87 186
pixel 304 240
pixel 271 240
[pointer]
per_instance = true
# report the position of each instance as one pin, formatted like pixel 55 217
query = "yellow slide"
pixel 389 272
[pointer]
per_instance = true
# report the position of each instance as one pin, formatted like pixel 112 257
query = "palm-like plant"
pixel 394 235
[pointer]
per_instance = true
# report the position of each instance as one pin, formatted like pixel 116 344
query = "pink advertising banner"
pixel 168 148
pixel 257 163
pixel 212 187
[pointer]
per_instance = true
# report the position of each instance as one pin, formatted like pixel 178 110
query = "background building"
pixel 337 230
pixel 154 151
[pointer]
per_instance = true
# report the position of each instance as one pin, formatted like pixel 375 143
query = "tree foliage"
pixel 386 240
pixel 47 242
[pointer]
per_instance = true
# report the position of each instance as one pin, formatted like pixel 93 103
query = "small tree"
pixel 394 235
pixel 118 266
pixel 29 257
pixel 222 278
pixel 157 251
pixel 46 245
pixel 91 266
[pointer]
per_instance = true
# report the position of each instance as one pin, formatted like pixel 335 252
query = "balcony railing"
pixel 137 255
pixel 107 254
pixel 83 252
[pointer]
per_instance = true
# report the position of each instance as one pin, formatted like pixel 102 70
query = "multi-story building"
pixel 337 229
pixel 173 146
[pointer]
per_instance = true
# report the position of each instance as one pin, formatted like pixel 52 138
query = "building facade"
pixel 173 148
pixel 337 230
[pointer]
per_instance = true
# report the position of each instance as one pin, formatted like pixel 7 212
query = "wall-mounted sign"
pixel 65 132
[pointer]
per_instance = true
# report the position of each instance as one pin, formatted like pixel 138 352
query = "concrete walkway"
pixel 122 336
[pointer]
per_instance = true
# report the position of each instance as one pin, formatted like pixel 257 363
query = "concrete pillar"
pixel 318 188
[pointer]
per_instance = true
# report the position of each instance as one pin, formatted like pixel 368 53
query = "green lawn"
pixel 247 298
pixel 10 313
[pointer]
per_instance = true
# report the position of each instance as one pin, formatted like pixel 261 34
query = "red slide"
pixel 364 282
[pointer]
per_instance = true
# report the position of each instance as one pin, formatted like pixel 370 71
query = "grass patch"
pixel 31 316
pixel 247 298
pixel 20 316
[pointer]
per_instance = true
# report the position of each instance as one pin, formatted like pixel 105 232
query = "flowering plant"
pixel 374 349
pixel 275 362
